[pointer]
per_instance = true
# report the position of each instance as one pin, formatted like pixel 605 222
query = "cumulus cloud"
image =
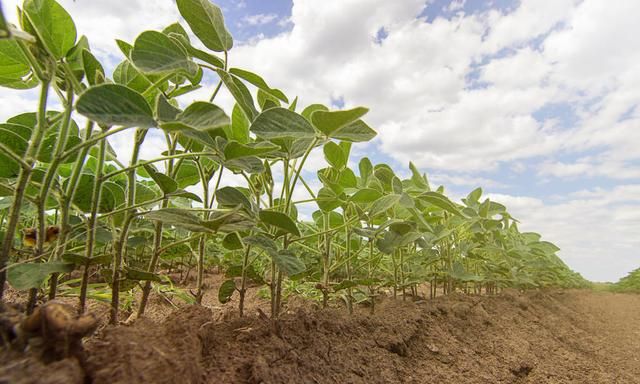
pixel 594 228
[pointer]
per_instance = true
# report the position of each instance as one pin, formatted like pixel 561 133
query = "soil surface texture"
pixel 534 337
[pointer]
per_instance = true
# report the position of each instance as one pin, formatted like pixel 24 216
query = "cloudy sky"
pixel 536 101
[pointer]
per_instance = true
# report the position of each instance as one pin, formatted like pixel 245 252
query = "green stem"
pixel 21 184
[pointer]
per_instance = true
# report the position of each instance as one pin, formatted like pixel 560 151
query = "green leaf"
pixel 240 93
pixel 383 204
pixel 355 132
pixel 259 82
pixel 13 141
pixel 232 241
pixel 230 197
pixel 32 275
pixel 287 262
pixel 186 195
pixel 125 47
pixel 440 201
pixel 78 259
pixel 187 174
pixel 92 68
pixel 334 155
pixel 180 218
pixel 226 290
pixel 13 63
pixel 156 53
pixel 327 199
pixel 330 122
pixel 113 104
pixel 235 150
pixel 199 116
pixel 261 242
pixel 140 275
pixel 166 183
pixel 365 196
pixel 281 123
pixel 309 110
pixel 280 221
pixel 417 179
pixel 228 221
pixel 239 128
pixel 207 23
pixel 53 26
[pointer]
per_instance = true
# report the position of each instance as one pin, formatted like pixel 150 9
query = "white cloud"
pixel 595 229
pixel 260 19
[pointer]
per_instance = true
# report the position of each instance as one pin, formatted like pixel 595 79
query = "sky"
pixel 536 101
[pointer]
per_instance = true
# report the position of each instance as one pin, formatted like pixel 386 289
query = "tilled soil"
pixel 536 337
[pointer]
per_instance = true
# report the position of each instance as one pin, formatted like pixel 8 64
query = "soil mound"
pixel 538 337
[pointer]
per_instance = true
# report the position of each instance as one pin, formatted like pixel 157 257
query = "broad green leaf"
pixel 249 164
pixel 156 53
pixel 187 174
pixel 308 111
pixel 417 179
pixel 280 221
pixel 197 53
pixel 259 82
pixel 176 29
pixel 383 204
pixel 440 201
pixel 235 150
pixel 32 275
pixel 228 221
pixel 14 142
pixel 240 93
pixel 239 128
pixel 140 275
pixel 207 23
pixel 92 68
pixel 125 47
pixel 329 122
pixel 355 132
pixel 199 116
pixel 327 199
pixel 166 183
pixel 261 242
pixel 144 193
pixel 229 197
pixel 113 104
pixel 52 24
pixel 13 64
pixel 334 155
pixel 186 195
pixel 365 196
pixel 226 290
pixel 232 241
pixel 281 123
pixel 287 262
pixel 178 217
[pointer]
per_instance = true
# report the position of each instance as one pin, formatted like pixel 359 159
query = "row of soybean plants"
pixel 372 230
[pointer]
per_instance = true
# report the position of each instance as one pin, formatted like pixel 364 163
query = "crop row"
pixel 371 230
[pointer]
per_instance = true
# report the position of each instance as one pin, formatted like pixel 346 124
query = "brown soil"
pixel 537 337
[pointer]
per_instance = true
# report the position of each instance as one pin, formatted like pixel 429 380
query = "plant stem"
pixel 23 180
pixel 120 243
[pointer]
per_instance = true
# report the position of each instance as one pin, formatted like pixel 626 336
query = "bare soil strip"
pixel 537 337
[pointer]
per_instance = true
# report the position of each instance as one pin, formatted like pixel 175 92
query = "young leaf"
pixel 32 275
pixel 207 23
pixel 281 123
pixel 259 82
pixel 240 93
pixel 113 104
pixel 334 155
pixel 287 261
pixel 280 221
pixel 230 197
pixel 440 201
pixel 156 53
pixel 166 184
pixel 226 290
pixel 53 26
pixel 329 122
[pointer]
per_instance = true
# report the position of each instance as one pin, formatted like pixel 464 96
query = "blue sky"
pixel 534 101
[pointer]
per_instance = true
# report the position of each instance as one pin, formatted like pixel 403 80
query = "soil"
pixel 533 337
